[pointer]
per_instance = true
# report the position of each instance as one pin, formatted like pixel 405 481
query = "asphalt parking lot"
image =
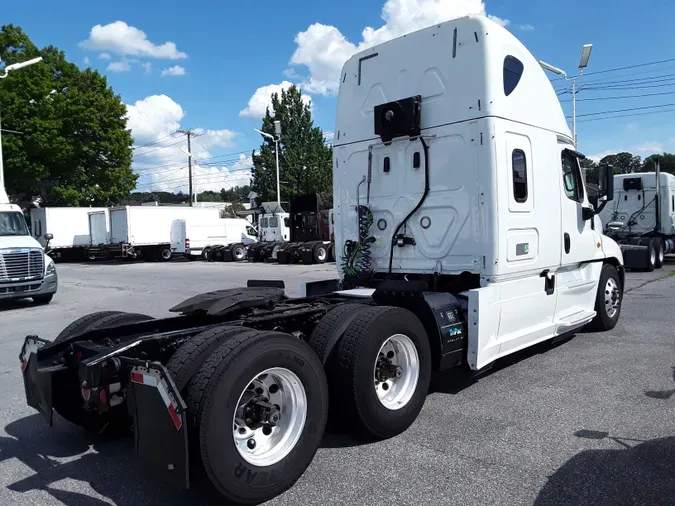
pixel 586 421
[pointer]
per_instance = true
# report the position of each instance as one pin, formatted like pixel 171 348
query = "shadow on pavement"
pixel 636 473
pixel 661 394
pixel 107 465
pixel 18 304
pixel 111 469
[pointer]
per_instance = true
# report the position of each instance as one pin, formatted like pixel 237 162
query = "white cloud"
pixel 147 66
pixel 176 70
pixel 262 98
pixel 105 56
pixel 163 166
pixel 119 66
pixel 527 27
pixel 649 148
pixel 122 39
pixel 86 60
pixel 323 49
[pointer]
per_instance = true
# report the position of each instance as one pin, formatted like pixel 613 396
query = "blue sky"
pixel 222 53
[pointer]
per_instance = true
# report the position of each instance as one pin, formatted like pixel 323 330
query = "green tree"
pixel 231 210
pixel 75 148
pixel 236 194
pixel 667 163
pixel 624 163
pixel 305 162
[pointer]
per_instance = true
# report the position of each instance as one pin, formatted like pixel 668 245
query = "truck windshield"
pixel 12 223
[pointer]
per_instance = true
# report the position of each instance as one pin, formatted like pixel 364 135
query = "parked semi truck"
pixel 455 249
pixel 274 228
pixel 146 231
pixel 310 241
pixel 25 270
pixel 642 219
pixel 69 228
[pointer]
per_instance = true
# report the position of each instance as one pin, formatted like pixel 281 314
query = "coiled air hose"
pixel 357 259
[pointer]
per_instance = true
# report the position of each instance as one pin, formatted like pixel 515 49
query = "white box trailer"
pixel 197 238
pixel 99 233
pixel 69 227
pixel 144 231
pixel 641 219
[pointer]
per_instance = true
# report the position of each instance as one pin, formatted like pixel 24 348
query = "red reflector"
pixel 86 393
pixel 24 364
pixel 177 420
pixel 103 397
pixel 78 356
pixel 136 377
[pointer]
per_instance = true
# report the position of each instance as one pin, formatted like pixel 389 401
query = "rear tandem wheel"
pixel 259 408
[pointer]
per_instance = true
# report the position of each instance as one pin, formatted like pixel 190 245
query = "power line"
pixel 622 97
pixel 156 149
pixel 626 115
pixel 617 69
pixel 152 143
pixel 625 110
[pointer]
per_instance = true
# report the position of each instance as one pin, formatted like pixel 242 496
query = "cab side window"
pixel 571 175
pixel 519 163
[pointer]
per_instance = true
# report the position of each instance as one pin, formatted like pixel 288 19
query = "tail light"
pixel 187 243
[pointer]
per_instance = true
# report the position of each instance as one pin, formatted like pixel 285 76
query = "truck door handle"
pixel 567 242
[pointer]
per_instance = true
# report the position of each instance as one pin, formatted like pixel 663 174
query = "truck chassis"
pixel 271 359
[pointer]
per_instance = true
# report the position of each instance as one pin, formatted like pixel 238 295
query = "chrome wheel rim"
pixel 238 253
pixel 166 254
pixel 612 297
pixel 652 256
pixel 396 372
pixel 321 253
pixel 661 254
pixel 270 417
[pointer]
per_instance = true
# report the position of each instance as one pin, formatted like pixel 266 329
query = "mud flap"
pixel 635 257
pixel 160 428
pixel 37 384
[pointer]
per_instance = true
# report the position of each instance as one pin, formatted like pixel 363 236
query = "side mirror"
pixel 587 213
pixel 49 237
pixel 606 182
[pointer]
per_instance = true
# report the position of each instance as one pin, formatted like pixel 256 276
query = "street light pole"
pixel 14 66
pixel 583 63
pixel 276 139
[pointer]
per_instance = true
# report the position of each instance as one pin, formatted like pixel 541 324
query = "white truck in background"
pixel 641 219
pixel 197 238
pixel 25 270
pixel 146 232
pixel 99 233
pixel 69 228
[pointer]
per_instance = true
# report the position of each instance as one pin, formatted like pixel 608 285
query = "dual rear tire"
pixel 257 409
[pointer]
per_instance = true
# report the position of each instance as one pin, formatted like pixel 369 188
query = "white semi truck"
pixel 641 219
pixel 464 234
pixel 25 270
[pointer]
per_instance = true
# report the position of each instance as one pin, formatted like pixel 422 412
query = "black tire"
pixel 205 253
pixel 238 252
pixel 331 253
pixel 660 246
pixel 164 254
pixel 603 321
pixel 352 382
pixel 320 253
pixel 43 299
pixel 651 262
pixel 66 397
pixel 331 327
pixel 222 379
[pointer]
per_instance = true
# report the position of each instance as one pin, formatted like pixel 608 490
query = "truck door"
pixel 178 236
pixel 576 278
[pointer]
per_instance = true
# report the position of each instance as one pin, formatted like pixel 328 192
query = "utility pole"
pixel 189 134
